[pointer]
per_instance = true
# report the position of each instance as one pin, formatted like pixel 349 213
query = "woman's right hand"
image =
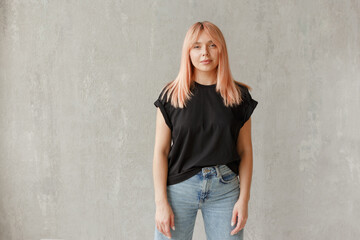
pixel 164 218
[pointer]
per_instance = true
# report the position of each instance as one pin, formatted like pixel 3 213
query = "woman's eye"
pixel 212 45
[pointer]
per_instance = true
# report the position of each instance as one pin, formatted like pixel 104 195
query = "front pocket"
pixel 228 177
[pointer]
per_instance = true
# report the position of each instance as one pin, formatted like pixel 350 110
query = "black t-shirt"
pixel 205 132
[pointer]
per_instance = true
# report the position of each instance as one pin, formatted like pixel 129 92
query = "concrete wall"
pixel 77 84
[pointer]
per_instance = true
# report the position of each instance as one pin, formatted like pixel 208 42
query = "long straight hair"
pixel 179 89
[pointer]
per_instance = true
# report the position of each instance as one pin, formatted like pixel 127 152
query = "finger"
pixel 233 219
pixel 237 229
pixel 243 222
pixel 167 229
pixel 172 222
pixel 158 226
pixel 162 228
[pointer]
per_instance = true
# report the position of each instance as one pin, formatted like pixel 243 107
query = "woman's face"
pixel 204 49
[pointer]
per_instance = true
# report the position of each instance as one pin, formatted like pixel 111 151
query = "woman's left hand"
pixel 240 212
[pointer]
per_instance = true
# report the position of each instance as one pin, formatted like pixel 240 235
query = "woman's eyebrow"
pixel 200 42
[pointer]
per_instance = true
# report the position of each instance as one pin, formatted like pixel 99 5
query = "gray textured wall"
pixel 77 84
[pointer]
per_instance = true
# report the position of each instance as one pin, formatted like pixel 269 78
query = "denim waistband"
pixel 212 170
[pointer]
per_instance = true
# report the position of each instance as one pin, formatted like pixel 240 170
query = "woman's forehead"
pixel 199 42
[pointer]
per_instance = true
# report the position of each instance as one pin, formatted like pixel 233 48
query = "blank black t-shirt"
pixel 205 132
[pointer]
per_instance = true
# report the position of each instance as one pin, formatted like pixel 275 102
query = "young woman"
pixel 205 113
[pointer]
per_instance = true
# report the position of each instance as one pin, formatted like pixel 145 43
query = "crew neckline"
pixel 205 86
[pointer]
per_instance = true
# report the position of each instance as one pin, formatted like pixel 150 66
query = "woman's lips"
pixel 205 62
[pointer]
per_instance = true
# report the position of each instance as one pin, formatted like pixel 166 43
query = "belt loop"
pixel 218 173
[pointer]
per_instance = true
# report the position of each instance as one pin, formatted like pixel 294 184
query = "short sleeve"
pixel 163 105
pixel 246 108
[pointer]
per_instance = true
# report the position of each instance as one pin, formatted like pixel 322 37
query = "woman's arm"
pixel 160 161
pixel 164 217
pixel 244 148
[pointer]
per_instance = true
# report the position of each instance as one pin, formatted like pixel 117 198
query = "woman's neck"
pixel 205 78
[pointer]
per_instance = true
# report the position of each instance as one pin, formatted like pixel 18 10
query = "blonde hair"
pixel 178 90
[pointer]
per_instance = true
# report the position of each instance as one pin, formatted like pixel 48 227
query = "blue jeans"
pixel 215 191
